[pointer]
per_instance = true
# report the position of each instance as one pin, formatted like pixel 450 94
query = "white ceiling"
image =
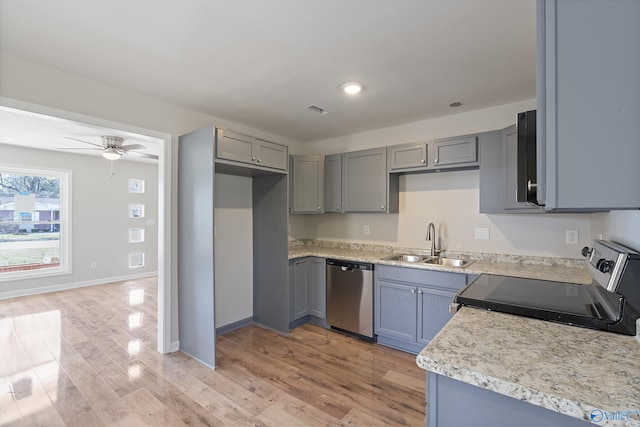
pixel 260 63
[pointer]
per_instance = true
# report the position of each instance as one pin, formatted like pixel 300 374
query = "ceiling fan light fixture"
pixel 351 88
pixel 111 154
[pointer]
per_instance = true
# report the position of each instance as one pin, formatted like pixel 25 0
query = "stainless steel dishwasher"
pixel 350 296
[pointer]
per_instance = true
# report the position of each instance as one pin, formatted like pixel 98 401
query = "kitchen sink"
pixel 408 258
pixel 449 262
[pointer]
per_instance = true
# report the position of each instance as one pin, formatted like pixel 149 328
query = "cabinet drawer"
pixel 438 279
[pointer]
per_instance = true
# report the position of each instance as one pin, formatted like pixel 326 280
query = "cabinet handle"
pixel 420 292
pixel 436 160
pixel 259 159
pixel 337 208
pixel 382 207
pixel 319 208
pixel 413 291
pixel 253 159
pixel 422 161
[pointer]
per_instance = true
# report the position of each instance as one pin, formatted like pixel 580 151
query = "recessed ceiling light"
pixel 351 88
pixel 455 104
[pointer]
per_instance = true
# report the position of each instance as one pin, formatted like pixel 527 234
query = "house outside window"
pixel 35 232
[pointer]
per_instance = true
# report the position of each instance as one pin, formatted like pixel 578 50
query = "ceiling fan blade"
pixel 147 156
pixel 86 142
pixel 133 147
pixel 79 148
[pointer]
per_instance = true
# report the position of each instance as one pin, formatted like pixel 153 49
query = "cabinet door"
pixel 408 156
pixel 318 287
pixel 510 161
pixel 396 310
pixel 333 183
pixel 455 151
pixel 270 155
pixel 307 184
pixel 234 146
pixel 588 104
pixel 365 181
pixel 300 288
pixel 433 312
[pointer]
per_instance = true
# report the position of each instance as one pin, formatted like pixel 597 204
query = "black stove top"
pixel 611 302
pixel 583 305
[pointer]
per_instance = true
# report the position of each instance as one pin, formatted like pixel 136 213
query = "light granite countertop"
pixel 556 269
pixel 563 368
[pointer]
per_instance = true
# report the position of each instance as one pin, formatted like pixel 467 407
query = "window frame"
pixel 64 221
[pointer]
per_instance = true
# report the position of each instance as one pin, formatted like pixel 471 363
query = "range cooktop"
pixel 611 302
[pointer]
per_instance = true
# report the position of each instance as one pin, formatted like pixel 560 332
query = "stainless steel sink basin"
pixel 449 262
pixel 407 258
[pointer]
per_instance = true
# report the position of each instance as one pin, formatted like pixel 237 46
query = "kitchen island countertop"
pixel 564 368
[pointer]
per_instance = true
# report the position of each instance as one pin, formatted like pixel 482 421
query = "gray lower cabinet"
pixel 412 305
pixel 588 95
pixel 306 178
pixel 307 291
pixel 333 184
pixel 455 403
pixel 239 148
pixel 366 184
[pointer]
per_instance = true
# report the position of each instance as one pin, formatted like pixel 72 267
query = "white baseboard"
pixel 66 286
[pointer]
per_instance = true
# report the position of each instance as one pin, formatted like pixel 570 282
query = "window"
pixel 35 235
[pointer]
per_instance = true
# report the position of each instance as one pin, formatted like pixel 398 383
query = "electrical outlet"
pixel 367 230
pixel 93 265
pixel 571 237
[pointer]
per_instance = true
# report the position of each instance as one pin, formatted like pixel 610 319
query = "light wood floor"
pixel 87 357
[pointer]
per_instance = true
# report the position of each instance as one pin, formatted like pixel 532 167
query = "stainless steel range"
pixel 610 303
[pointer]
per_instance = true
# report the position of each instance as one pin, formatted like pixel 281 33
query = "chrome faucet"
pixel 431 235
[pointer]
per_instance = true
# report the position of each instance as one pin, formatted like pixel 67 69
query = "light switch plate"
pixel 482 233
pixel 571 237
pixel 367 230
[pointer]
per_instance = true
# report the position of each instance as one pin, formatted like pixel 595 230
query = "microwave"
pixel 527 164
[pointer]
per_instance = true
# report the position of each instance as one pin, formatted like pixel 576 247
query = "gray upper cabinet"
pixel 453 152
pixel 408 156
pixel 460 152
pixel 588 94
pixel 306 174
pixel 367 185
pixel 245 149
pixel 498 173
pixel 333 184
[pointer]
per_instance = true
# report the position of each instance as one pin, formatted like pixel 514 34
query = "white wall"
pixel 233 249
pixel 100 222
pixel 620 226
pixel 449 199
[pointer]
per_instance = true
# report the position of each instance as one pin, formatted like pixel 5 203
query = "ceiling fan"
pixel 112 148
